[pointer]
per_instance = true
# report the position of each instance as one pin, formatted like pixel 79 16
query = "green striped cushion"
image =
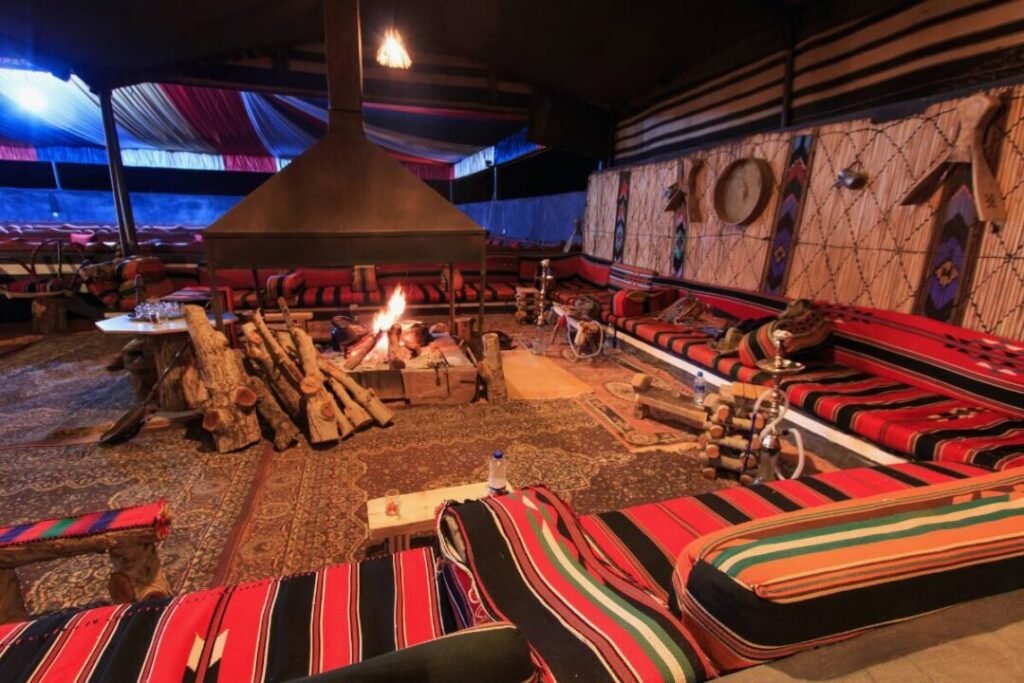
pixel 768 588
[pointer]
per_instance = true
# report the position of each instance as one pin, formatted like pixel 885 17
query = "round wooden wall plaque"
pixel 742 191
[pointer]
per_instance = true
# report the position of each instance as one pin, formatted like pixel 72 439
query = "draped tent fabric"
pixel 43 118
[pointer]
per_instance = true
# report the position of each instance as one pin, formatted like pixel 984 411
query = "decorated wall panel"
pixel 852 246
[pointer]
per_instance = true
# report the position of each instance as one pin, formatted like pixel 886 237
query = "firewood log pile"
pixel 279 377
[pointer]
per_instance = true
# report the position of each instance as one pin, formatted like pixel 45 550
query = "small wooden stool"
pixel 128 535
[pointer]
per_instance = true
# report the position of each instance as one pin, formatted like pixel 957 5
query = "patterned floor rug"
pixel 257 513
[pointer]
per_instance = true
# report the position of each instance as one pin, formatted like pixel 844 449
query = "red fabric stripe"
pixel 340 646
pixel 245 622
pixel 150 514
pixel 219 116
pixel 187 618
pixel 418 618
pixel 249 164
pixel 15 152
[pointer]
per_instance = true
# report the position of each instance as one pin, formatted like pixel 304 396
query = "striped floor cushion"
pixel 493 291
pixel 645 540
pixel 269 630
pixel 532 565
pixel 911 421
pixel 769 588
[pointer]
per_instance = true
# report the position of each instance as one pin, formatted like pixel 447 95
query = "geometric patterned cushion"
pixel 273 629
pixel 769 588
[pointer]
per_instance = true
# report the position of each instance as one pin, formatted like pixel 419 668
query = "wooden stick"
pixel 324 418
pixel 355 413
pixel 276 351
pixel 362 348
pixel 381 414
pixel 283 386
pixel 285 431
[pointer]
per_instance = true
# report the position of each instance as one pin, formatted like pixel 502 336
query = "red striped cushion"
pixel 533 566
pixel 274 629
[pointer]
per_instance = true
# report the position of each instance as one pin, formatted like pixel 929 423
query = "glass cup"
pixel 392 503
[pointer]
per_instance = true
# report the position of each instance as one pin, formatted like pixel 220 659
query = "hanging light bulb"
pixel 392 52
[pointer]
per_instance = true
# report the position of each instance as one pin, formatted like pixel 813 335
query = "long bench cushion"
pixel 533 566
pixel 645 540
pixel 977 368
pixel 769 588
pixel 273 629
pixel 911 421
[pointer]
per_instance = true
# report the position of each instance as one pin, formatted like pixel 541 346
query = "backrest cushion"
pixel 974 367
pixel 531 564
pixel 326 277
pixel 768 588
pixel 592 271
pixel 364 279
pixel 622 276
pixel 811 339
pixel 629 303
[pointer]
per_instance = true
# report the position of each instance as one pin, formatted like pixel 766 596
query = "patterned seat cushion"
pixel 493 291
pixel 532 565
pixel 769 588
pixel 645 540
pixel 273 629
pixel 911 421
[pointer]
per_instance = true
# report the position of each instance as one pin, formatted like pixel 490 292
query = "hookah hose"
pixel 771 425
pixel 583 356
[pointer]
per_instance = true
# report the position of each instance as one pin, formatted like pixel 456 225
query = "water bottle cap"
pixel 499 454
pixel 700 373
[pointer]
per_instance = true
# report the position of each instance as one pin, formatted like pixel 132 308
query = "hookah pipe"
pixel 777 407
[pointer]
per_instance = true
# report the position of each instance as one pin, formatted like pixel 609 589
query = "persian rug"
pixel 258 513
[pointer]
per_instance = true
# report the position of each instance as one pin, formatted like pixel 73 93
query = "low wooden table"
pixel 163 339
pixel 416 513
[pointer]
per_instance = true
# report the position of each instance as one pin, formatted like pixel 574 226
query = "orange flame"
pixel 391 314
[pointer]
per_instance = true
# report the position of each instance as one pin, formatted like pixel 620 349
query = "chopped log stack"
pixel 278 375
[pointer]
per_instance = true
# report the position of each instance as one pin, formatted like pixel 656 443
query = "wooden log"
pixel 396 353
pixel 12 603
pixel 326 422
pixel 45 550
pixel 491 370
pixel 284 338
pixel 228 412
pixel 381 414
pixel 464 327
pixel 170 394
pixel 355 413
pixel 275 376
pixel 49 314
pixel 285 431
pixel 137 574
pixel 275 350
pixel 641 382
pixel 361 349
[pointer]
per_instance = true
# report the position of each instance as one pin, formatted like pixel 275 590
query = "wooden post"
pixel 12 604
pixel 122 200
pixel 49 314
pixel 218 305
pixel 162 348
pixel 491 370
pixel 483 284
pixel 136 574
pixel 451 296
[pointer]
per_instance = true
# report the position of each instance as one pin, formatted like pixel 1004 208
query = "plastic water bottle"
pixel 700 389
pixel 497 472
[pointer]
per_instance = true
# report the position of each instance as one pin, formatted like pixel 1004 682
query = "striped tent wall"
pixel 915 50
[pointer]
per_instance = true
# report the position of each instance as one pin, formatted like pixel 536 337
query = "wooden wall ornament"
pixel 685 212
pixel 621 213
pixel 795 180
pixel 957 233
pixel 742 191
pixel 975 114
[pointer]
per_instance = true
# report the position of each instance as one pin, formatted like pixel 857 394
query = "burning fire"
pixel 385 318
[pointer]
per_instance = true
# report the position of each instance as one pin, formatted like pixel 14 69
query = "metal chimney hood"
pixel 344 201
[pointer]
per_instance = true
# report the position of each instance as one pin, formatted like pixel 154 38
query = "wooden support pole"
pixel 491 370
pixel 119 187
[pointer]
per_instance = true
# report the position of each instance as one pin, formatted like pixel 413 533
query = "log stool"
pixel 528 304
pixel 128 535
pixel 50 314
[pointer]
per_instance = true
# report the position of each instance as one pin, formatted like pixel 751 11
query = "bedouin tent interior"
pixel 509 340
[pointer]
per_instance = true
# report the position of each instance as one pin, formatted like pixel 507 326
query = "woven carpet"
pixel 257 513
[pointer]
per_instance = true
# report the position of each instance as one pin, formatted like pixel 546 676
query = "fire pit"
pixel 404 360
